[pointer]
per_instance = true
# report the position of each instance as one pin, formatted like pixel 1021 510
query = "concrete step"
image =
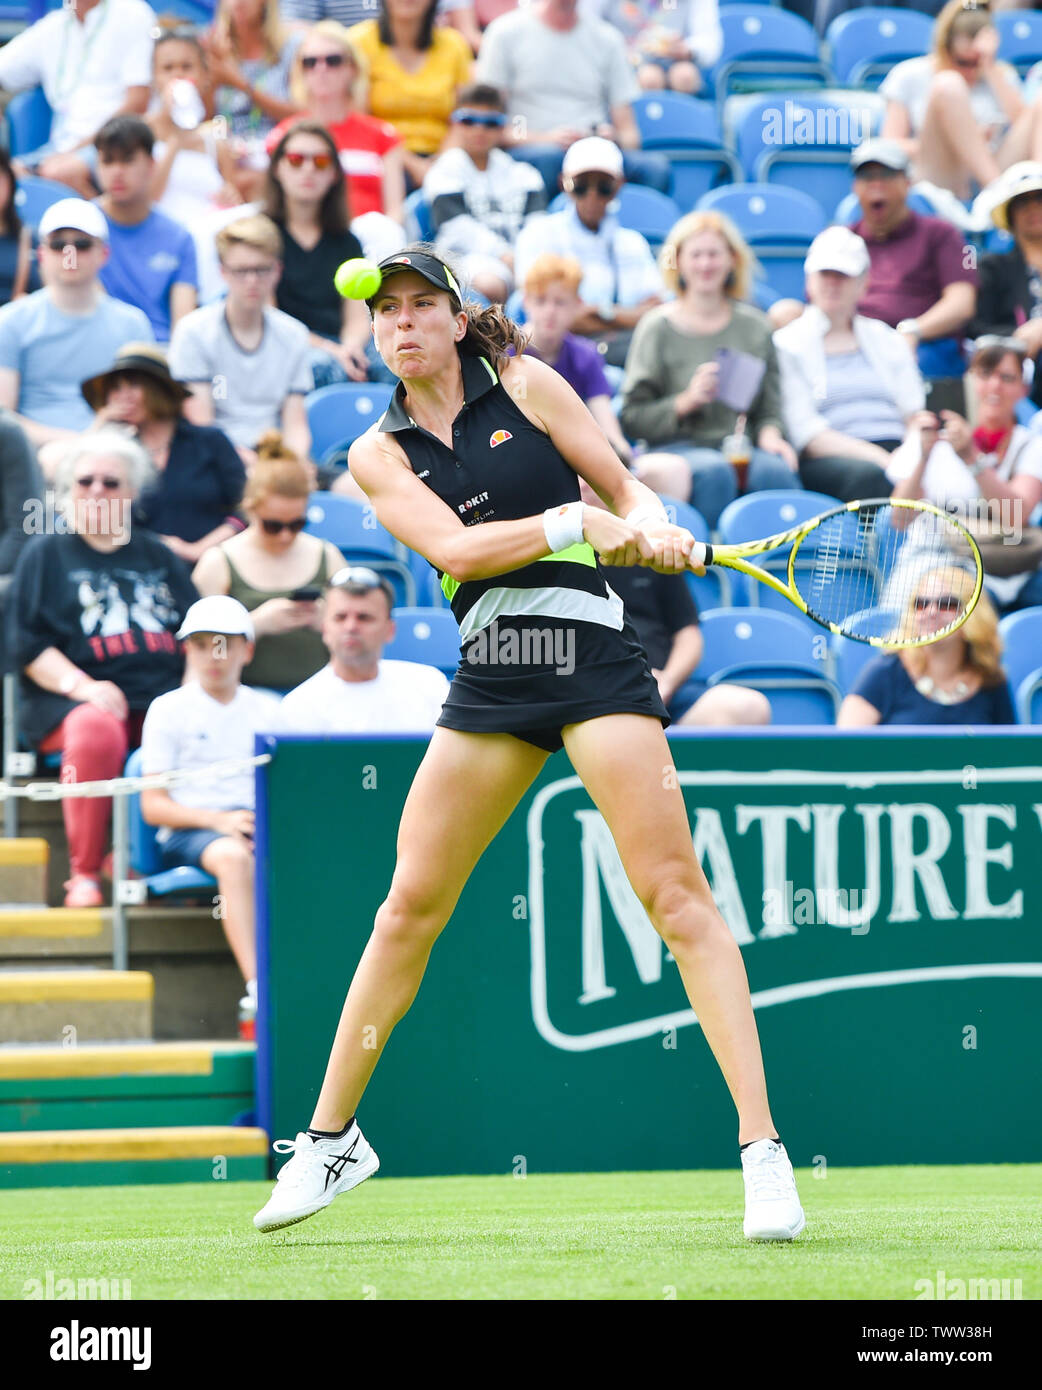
pixel 49 930
pixel 116 1085
pixel 172 1153
pixel 23 871
pixel 77 1005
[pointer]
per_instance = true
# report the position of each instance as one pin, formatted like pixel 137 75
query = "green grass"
pixel 871 1233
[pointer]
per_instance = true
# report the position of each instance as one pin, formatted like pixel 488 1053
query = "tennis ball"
pixel 357 279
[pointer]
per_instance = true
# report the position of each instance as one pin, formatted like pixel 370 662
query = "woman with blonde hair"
pixel 250 56
pixel 956 680
pixel 275 570
pixel 702 362
pixel 958 111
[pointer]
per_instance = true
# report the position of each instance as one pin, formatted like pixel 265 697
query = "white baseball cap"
pixel 218 613
pixel 837 248
pixel 76 213
pixel 592 155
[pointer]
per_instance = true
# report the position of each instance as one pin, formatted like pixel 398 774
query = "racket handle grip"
pixel 707 556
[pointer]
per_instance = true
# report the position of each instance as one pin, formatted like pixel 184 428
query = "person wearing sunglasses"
pixel 329 84
pixel 275 570
pixel 476 466
pixel 359 691
pixel 622 281
pixel 246 362
pixel 956 680
pixel 94 608
pixel 71 329
pixel 989 472
pixel 479 196
pixel 307 201
pixel 1009 300
pixel 959 112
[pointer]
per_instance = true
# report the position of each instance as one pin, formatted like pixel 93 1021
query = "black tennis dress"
pixel 547 644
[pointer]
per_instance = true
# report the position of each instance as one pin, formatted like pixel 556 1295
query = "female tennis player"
pixel 476 465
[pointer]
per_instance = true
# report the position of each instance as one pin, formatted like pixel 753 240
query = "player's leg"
pixel 463 792
pixel 625 764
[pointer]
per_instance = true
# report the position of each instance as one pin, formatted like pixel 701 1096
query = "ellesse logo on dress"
pixel 499 437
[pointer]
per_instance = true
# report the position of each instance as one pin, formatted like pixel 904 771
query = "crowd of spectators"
pixel 162 326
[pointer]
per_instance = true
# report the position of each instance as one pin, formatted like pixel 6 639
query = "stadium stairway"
pixel 87 1095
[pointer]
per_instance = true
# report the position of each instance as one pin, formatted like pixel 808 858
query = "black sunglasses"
pixel 947 603
pixel 271 527
pixel 604 187
pixel 465 116
pixel 331 60
pixel 78 243
pixel 110 484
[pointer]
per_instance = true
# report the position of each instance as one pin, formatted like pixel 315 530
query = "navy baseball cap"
pixel 430 267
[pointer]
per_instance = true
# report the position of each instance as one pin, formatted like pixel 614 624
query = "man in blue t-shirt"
pixel 52 340
pixel 152 257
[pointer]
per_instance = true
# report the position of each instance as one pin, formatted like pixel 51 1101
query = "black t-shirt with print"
pixel 114 614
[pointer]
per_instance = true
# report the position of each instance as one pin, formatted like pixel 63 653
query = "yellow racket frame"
pixel 736 557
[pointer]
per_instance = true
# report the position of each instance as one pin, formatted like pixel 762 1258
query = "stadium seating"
pixel 1020 38
pixel 418 224
pixel 774 653
pixel 687 131
pixel 353 529
pixel 427 635
pixel 1021 635
pixel 849 657
pixel 35 196
pixel 145 856
pixel 866 43
pixel 1027 698
pixel 803 140
pixel 765 48
pixel 28 118
pixel 338 414
pixel 778 223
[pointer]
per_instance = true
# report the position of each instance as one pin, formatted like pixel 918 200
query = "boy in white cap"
pixel 208 822
pixel 52 340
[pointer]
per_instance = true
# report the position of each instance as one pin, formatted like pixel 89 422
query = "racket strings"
pixel 887 574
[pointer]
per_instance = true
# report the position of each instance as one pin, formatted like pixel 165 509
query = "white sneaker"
pixel 772 1204
pixel 319 1170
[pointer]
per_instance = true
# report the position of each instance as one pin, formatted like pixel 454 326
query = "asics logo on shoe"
pixel 339 1163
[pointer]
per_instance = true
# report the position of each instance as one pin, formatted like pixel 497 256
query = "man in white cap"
pixel 565 74
pixel 52 340
pixel 922 280
pixel 208 822
pixel 621 281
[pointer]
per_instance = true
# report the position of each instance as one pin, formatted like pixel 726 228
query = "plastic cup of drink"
pixel 737 449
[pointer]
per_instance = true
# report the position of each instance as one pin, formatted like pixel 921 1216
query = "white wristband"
pixel 647 511
pixel 563 526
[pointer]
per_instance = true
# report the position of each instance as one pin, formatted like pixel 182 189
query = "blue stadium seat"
pixel 849 657
pixel 761 514
pixel 1021 635
pixel 687 131
pixel 778 223
pixel 354 530
pixel 1020 37
pixel 338 414
pixel 428 585
pixel 772 652
pixel 418 224
pixel 765 48
pixel 866 43
pixel 145 857
pixel 35 196
pixel 427 635
pixel 28 121
pixel 1027 697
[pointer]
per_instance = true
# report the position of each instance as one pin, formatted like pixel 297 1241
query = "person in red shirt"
pixel 328 82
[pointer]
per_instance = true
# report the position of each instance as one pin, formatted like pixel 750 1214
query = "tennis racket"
pixel 891 572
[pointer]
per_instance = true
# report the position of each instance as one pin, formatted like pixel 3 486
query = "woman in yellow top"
pixel 415 70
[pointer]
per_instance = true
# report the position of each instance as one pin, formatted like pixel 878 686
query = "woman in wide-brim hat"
pixel 1009 291
pixel 199 477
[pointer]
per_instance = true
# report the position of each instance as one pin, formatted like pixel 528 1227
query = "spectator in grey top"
pixel 525 53
pixel 246 363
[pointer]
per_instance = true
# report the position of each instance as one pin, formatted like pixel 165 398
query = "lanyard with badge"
pixel 60 91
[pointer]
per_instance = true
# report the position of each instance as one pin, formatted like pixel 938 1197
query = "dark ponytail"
pixel 491 334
